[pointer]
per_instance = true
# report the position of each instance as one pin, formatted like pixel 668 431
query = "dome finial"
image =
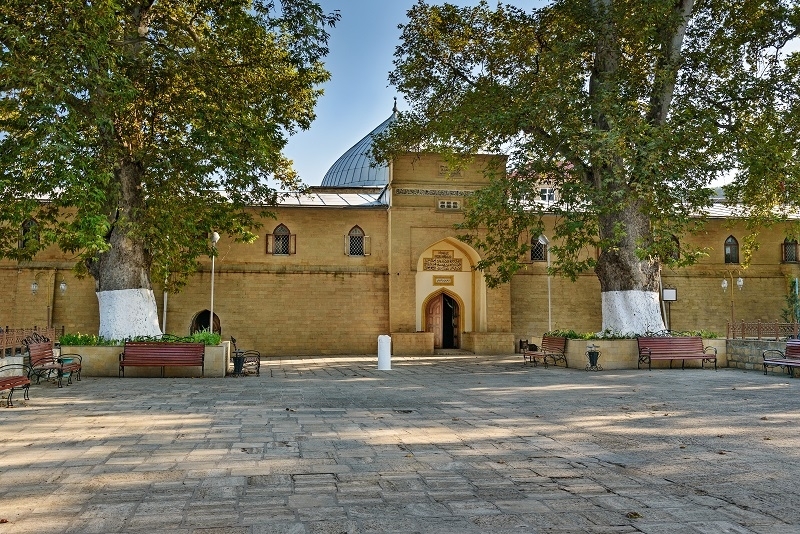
pixel 394 108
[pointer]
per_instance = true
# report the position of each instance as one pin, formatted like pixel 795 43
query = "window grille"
pixel 675 254
pixel 547 194
pixel 356 243
pixel 538 250
pixel 281 242
pixel 731 250
pixel 30 233
pixel 449 204
pixel 789 251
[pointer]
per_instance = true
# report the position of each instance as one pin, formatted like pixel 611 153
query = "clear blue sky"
pixel 358 97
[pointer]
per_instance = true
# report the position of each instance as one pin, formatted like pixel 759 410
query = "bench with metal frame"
pixel 788 359
pixel 553 347
pixel 250 360
pixel 674 348
pixel 44 363
pixel 161 354
pixel 15 376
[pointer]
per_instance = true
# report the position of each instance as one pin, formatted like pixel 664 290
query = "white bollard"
pixel 384 353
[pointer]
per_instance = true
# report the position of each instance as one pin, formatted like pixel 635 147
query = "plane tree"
pixel 132 129
pixel 629 109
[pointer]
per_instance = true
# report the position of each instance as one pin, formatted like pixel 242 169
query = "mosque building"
pixel 373 250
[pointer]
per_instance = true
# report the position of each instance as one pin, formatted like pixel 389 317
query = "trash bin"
pixel 384 353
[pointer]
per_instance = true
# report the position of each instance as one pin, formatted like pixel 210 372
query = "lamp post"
pixel 545 242
pixel 739 284
pixel 214 239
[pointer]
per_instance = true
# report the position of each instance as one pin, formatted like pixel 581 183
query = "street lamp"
pixel 739 284
pixel 214 239
pixel 545 242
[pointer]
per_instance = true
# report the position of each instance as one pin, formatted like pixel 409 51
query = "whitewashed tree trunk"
pixel 629 285
pixel 128 313
pixel 127 304
pixel 634 311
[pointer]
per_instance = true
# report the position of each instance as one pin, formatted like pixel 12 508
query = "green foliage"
pixel 204 336
pixel 604 334
pixel 611 334
pixel 79 339
pixel 629 118
pixel 791 313
pixel 161 121
pixel 569 334
pixel 705 334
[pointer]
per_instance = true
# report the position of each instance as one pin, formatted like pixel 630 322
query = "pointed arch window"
pixel 29 234
pixel 731 250
pixel 789 250
pixel 281 242
pixel 538 250
pixel 675 253
pixel 356 242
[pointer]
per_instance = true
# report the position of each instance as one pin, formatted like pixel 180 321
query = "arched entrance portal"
pixel 201 322
pixel 450 294
pixel 443 318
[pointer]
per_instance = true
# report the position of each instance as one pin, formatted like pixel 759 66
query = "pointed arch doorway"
pixel 201 322
pixel 443 318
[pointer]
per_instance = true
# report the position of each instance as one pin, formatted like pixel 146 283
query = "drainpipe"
pixel 661 301
pixel 51 288
pixel 796 294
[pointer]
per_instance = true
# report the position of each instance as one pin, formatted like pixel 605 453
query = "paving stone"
pixel 439 445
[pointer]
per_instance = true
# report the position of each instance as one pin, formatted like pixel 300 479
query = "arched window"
pixel 731 250
pixel 675 253
pixel 538 250
pixel 356 243
pixel 201 321
pixel 30 234
pixel 789 252
pixel 281 242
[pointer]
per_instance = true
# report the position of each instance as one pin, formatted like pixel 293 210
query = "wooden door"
pixel 433 322
pixel 450 322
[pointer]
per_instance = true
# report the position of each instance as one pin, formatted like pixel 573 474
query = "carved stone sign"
pixel 442 260
pixel 439 280
pixel 445 170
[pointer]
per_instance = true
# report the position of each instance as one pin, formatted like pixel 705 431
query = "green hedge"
pixel 204 336
pixel 610 334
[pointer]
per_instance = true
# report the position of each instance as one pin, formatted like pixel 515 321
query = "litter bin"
pixel 384 353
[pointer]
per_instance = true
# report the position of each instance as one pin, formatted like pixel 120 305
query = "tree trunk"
pixel 122 274
pixel 629 286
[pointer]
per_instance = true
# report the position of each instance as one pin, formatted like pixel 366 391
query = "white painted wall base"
pixel 634 312
pixel 127 313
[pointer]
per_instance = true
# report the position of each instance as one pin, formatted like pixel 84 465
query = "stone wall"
pixel 104 361
pixel 746 353
pixel 322 301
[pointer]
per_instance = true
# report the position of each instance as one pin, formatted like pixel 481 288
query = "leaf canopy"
pixel 199 96
pixel 623 106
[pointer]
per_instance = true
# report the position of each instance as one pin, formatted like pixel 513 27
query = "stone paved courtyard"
pixel 456 444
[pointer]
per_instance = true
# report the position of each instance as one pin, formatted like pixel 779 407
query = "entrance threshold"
pixel 452 352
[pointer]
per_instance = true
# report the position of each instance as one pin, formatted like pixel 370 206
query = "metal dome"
pixel 356 168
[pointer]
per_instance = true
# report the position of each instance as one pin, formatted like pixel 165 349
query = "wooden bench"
pixel 674 348
pixel 14 376
pixel 789 359
pixel 165 354
pixel 554 347
pixel 44 363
